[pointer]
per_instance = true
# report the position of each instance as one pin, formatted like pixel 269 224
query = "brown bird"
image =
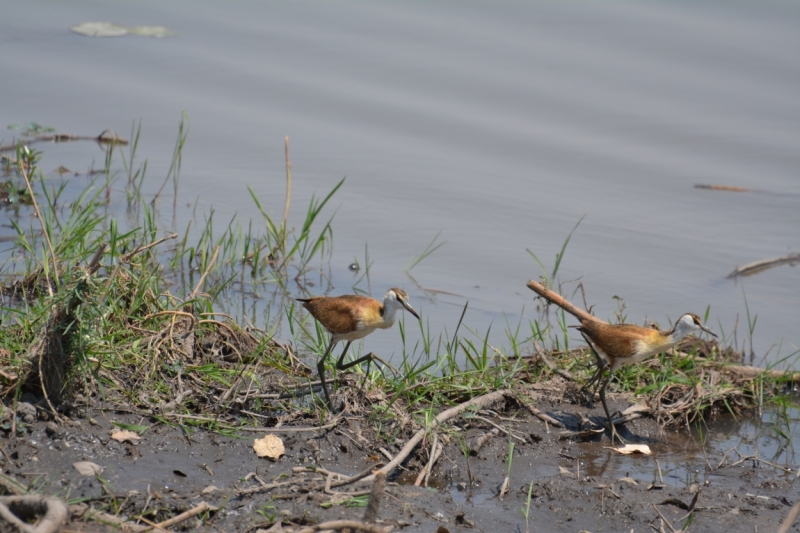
pixel 351 317
pixel 624 344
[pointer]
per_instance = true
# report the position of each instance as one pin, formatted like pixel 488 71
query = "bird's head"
pixel 398 299
pixel 691 323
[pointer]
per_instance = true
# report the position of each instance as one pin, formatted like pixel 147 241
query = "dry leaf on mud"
pixel 631 448
pixel 126 435
pixel 270 446
pixel 87 468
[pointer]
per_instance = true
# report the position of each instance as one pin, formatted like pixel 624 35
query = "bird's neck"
pixel 677 334
pixel 388 314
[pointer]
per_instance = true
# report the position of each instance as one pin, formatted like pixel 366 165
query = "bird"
pixel 617 345
pixel 351 317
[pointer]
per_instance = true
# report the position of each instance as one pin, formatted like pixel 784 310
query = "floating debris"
pixel 728 188
pixel 765 264
pixel 112 29
pixel 100 29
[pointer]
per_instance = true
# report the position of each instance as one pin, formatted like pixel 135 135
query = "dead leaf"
pixel 270 446
pixel 87 468
pixel 631 448
pixel 628 480
pixel 564 471
pixel 123 435
pixel 209 489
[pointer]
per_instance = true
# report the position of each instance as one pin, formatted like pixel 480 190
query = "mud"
pixel 577 485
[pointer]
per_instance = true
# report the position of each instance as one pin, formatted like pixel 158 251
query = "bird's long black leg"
pixel 339 365
pixel 601 365
pixel 321 370
pixel 344 366
pixel 614 434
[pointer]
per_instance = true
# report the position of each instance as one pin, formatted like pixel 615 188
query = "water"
pixel 498 124
pixel 722 441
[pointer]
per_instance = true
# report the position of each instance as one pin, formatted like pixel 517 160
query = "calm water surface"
pixel 498 124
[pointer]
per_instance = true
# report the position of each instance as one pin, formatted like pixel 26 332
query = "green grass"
pixel 149 324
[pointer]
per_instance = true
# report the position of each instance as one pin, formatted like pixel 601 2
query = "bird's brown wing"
pixel 616 340
pixel 337 314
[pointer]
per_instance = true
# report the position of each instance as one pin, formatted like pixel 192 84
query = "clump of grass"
pixel 131 317
pixel 90 308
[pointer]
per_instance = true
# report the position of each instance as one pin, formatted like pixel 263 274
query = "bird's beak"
pixel 409 308
pixel 707 330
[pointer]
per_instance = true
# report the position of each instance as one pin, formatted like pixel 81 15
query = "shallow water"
pixel 720 442
pixel 499 124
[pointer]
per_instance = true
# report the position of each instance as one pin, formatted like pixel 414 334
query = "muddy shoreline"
pixel 172 470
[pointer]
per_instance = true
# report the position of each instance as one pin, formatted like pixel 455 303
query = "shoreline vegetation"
pixel 129 319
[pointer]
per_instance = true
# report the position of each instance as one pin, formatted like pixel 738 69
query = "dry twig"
pixel 560 301
pixel 480 401
pixel 347 524
pixel 54 512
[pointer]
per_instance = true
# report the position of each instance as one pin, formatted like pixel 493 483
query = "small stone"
pixel 26 411
pixel 51 429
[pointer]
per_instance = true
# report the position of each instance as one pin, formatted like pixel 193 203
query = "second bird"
pixel 626 344
pixel 351 317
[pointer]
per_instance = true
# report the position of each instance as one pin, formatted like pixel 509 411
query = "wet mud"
pixel 576 485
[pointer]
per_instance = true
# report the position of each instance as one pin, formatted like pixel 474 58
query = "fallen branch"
pixel 563 303
pixel 53 509
pixel 480 401
pixel 755 372
pixel 545 417
pixel 347 524
pixel 201 508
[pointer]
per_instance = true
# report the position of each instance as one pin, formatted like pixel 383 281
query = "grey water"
pixel 497 124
